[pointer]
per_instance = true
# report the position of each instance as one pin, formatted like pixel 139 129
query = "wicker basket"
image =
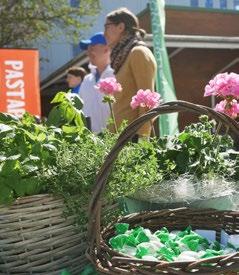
pixel 108 261
pixel 35 238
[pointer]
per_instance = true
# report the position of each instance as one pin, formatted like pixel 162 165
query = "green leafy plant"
pixel 67 111
pixel 74 174
pixel 198 150
pixel 26 146
pixel 29 146
pixel 136 167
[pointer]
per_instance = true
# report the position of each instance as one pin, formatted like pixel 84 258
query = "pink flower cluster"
pixel 145 98
pixel 225 85
pixel 109 86
pixel 231 108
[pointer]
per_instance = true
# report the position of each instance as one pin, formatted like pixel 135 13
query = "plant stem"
pixel 153 130
pixel 113 117
pixel 218 128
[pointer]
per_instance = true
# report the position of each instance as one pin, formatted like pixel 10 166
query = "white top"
pixel 93 107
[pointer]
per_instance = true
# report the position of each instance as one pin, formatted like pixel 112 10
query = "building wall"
pixel 210 4
pixel 193 68
pixel 196 22
pixel 53 55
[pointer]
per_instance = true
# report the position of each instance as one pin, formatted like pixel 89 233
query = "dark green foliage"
pixel 25 147
pixel 26 21
pixel 198 150
pixel 67 112
pixel 29 147
pixel 74 174
pixel 136 167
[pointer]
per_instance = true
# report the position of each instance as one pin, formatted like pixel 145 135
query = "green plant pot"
pixel 231 202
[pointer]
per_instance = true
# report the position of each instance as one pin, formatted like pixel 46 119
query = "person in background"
pixel 133 63
pixel 99 57
pixel 74 77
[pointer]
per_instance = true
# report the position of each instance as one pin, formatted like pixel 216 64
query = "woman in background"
pixel 133 63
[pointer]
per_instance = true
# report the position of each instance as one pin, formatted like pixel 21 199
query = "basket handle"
pixel 125 137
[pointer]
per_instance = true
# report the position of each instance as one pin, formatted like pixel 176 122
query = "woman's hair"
pixel 77 71
pixel 131 22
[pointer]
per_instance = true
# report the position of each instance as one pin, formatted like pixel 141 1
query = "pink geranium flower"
pixel 224 85
pixel 231 108
pixel 145 98
pixel 109 86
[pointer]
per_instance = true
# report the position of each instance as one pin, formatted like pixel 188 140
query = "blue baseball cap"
pixel 97 38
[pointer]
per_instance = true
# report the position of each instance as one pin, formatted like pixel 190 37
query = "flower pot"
pixel 228 202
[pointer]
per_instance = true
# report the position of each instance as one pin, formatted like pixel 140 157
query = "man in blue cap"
pixel 99 57
pixel 96 39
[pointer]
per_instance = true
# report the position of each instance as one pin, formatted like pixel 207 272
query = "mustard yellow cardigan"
pixel 137 72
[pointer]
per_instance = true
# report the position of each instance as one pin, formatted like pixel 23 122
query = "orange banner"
pixel 19 81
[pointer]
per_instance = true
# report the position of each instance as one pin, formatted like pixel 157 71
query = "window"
pixel 194 3
pixel 223 4
pixel 236 4
pixel 209 3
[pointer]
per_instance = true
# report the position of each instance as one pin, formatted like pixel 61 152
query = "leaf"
pixel 233 152
pixel 80 120
pixel 195 164
pixel 37 149
pixel 30 158
pixel 182 161
pixel 2 158
pixel 183 136
pixel 32 136
pixel 14 183
pixel 69 114
pixel 75 100
pixel 5 117
pixel 49 147
pixel 6 194
pixel 10 167
pixel 59 97
pixel 209 159
pixel 29 168
pixel 28 118
pixel 70 129
pixel 5 128
pixel 27 186
pixel 54 117
pixel 14 157
pixel 41 137
pixel 56 130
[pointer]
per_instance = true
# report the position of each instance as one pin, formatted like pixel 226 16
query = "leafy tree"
pixel 25 21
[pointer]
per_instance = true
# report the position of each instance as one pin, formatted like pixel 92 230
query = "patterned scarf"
pixel 121 50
